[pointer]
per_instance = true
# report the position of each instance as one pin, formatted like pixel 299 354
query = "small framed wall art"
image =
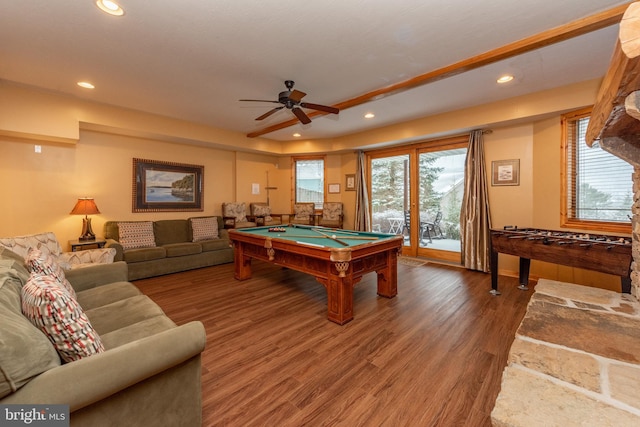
pixel 505 172
pixel 334 188
pixel 350 182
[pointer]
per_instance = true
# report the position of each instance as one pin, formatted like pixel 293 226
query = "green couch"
pixel 173 248
pixel 149 373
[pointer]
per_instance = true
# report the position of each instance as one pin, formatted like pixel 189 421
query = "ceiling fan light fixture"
pixel 296 135
pixel 291 99
pixel 505 79
pixel 110 7
pixel 369 116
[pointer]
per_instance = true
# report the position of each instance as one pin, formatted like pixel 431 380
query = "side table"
pixel 80 245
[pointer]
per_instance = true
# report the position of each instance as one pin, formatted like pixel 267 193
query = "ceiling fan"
pixel 292 99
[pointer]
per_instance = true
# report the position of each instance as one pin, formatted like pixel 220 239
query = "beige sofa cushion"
pixel 25 352
pixel 106 294
pixel 144 254
pixel 129 311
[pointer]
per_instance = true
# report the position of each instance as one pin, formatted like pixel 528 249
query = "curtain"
pixel 475 218
pixel 363 218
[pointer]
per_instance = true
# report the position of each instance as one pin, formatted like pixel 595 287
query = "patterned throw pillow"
pixel 43 264
pixel 136 235
pixel 52 310
pixel 204 228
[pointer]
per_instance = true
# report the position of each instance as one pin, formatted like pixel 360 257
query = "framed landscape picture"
pixel 166 186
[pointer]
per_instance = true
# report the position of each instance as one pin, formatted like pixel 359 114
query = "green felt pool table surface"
pixel 318 236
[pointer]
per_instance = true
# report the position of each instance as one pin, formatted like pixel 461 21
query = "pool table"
pixel 336 258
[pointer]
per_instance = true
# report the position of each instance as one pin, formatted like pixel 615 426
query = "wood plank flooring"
pixel 432 356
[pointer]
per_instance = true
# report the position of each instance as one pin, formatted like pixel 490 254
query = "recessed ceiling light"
pixel 86 85
pixel 505 79
pixel 296 135
pixel 369 116
pixel 110 7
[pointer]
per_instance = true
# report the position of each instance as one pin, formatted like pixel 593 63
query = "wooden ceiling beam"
pixel 609 117
pixel 555 35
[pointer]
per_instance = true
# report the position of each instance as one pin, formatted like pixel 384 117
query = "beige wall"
pixel 87 150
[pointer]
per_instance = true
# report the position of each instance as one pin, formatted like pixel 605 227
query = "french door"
pixel 416 191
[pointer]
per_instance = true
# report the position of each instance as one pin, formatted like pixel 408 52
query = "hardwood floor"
pixel 432 356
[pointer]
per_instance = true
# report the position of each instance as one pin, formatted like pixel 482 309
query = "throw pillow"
pixel 52 310
pixel 136 235
pixel 204 228
pixel 43 264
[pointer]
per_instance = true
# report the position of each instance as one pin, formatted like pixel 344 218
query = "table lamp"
pixel 86 206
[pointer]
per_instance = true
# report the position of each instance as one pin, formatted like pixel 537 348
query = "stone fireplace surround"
pixel 575 360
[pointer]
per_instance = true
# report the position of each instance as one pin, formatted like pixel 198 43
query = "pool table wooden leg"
pixel 339 298
pixel 388 277
pixel 242 263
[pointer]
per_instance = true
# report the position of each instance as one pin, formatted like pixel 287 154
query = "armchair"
pixel 234 215
pixel 47 242
pixel 332 215
pixel 261 214
pixel 303 213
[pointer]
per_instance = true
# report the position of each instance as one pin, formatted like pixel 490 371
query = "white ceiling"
pixel 194 59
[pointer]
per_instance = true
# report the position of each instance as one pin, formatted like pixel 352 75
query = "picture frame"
pixel 334 188
pixel 350 182
pixel 160 186
pixel 505 172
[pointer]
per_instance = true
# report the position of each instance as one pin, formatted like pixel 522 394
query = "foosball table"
pixel 597 252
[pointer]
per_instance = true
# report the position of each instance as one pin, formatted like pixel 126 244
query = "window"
pixel 597 188
pixel 309 180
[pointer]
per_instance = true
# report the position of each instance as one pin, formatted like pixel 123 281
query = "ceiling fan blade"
pixel 319 107
pixel 268 113
pixel 258 100
pixel 301 115
pixel 296 95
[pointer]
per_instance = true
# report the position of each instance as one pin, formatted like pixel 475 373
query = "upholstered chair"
pixel 332 215
pixel 234 215
pixel 261 214
pixel 48 243
pixel 303 213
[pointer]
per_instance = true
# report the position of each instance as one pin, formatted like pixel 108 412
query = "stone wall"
pixel 575 360
pixel 635 231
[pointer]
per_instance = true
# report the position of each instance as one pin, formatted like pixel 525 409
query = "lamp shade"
pixel 85 206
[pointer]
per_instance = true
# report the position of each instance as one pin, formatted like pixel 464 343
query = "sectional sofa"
pixel 146 370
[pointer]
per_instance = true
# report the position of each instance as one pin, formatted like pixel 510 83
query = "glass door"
pixel 441 186
pixel 417 192
pixel 391 195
